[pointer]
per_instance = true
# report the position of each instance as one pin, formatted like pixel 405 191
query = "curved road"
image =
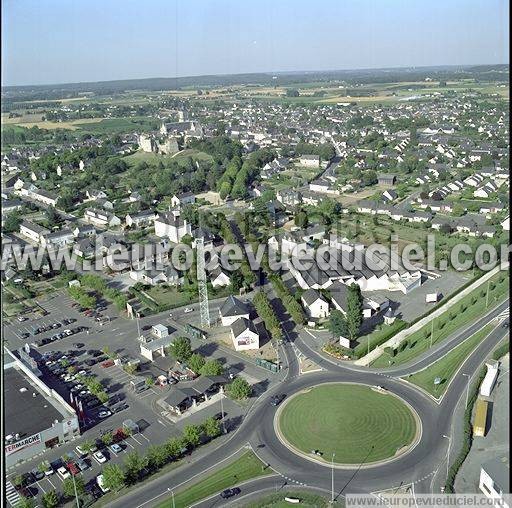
pixel 417 466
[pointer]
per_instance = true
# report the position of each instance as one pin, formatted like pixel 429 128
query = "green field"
pixel 463 313
pixel 244 468
pixel 348 420
pixel 117 125
pixel 154 158
pixel 446 367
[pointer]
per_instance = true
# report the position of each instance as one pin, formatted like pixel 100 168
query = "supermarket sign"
pixel 24 443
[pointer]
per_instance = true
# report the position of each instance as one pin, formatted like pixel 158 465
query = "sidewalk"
pixel 401 336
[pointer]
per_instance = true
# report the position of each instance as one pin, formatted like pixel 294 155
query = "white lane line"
pixel 136 440
pixel 40 486
pixel 51 483
pixel 143 436
pixel 130 445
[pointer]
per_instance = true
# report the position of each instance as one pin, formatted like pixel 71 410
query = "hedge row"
pixel 266 312
pixel 292 306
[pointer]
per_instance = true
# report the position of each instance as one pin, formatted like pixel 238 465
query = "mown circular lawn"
pixel 356 422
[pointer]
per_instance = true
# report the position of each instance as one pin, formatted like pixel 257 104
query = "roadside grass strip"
pixel 470 308
pixel 446 367
pixel 246 467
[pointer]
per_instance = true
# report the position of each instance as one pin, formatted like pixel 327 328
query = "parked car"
pixel 37 474
pixel 82 464
pixel 115 448
pixel 78 345
pixel 104 414
pixel 188 309
pixel 63 472
pixel 107 363
pixel 22 318
pixel 101 483
pixel 120 408
pixel 99 457
pixel 72 468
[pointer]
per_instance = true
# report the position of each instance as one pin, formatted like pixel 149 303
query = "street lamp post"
pixel 222 412
pixel 467 389
pixel 76 493
pixel 332 478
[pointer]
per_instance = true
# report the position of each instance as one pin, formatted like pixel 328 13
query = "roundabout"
pixel 361 425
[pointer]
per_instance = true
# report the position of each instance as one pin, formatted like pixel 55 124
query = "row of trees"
pixel 266 312
pixel 293 307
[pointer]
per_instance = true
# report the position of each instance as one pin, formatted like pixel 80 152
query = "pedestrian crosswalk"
pixel 503 315
pixel 11 494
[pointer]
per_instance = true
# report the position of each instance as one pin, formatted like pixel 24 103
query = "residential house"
pixel 140 219
pixel 170 225
pixel 315 305
pixel 233 309
pixel 101 218
pixel 183 199
pixel 244 335
pixel 33 231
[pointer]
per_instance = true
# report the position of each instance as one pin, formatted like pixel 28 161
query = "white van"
pixel 101 484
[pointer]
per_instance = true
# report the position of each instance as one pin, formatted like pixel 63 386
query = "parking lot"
pixel 83 350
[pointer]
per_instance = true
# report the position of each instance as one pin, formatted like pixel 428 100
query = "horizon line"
pixel 269 73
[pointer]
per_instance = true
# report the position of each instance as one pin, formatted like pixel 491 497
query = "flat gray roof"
pixel 24 413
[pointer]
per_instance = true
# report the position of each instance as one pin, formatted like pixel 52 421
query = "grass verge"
pixel 276 500
pixel 244 468
pixel 466 311
pixel 447 366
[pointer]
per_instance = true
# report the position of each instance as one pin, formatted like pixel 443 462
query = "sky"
pixel 67 41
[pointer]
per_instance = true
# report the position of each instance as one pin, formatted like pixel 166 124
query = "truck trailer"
pixel 480 422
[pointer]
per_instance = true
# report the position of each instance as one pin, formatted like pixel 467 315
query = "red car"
pixel 107 363
pixel 72 468
pixel 119 436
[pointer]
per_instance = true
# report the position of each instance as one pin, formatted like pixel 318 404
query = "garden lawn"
pixel 446 367
pixel 244 468
pixel 355 422
pixel 451 321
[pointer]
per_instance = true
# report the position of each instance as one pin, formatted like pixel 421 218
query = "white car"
pixel 101 483
pixel 63 472
pixel 99 457
pixel 81 451
pixel 104 414
pixel 187 310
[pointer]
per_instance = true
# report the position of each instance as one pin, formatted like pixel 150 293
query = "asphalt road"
pixel 415 467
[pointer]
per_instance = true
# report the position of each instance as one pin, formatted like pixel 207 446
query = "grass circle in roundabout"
pixel 357 423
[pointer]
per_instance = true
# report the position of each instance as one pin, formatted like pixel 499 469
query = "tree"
pixel 107 438
pixel 212 368
pixel 173 447
pixel 181 349
pixel 237 280
pixel 211 427
pixel 224 190
pixel 354 310
pixel 133 465
pixel 192 435
pixel 338 323
pixel 150 381
pixel 25 502
pixel 50 499
pixel 301 219
pixel 113 477
pixel 239 389
pixel 196 362
pixel 12 222
pixel 458 210
pixel 157 456
pixel 68 487
pixel 290 92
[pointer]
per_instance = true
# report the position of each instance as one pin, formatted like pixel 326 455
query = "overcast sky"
pixel 62 41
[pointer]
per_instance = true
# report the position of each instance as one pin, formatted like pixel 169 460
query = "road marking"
pixel 40 486
pixel 159 421
pixel 51 483
pixel 142 435
pixel 11 494
pixel 136 440
pixel 130 445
